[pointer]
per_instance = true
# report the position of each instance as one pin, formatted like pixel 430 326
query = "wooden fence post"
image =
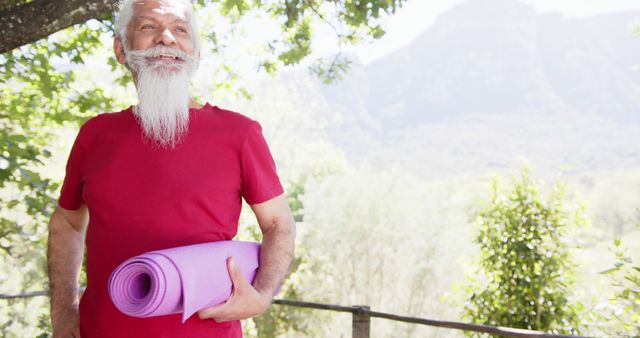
pixel 361 322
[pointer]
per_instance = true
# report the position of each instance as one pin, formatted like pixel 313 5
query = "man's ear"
pixel 118 48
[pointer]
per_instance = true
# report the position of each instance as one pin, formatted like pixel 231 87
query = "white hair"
pixel 125 14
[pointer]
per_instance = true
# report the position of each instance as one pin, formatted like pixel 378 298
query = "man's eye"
pixel 147 27
pixel 181 29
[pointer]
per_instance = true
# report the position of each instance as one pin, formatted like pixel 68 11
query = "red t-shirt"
pixel 141 198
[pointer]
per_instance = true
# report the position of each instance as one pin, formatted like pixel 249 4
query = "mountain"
pixel 499 56
pixel 491 84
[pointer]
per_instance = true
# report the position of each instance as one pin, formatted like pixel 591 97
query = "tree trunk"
pixel 29 22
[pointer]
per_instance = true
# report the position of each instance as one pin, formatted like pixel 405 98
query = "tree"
pixel 26 22
pixel 45 46
pixel 524 271
pixel 374 243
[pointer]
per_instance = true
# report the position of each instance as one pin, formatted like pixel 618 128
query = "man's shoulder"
pixel 102 123
pixel 107 118
pixel 228 118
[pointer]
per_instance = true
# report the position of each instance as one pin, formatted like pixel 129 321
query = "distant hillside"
pixel 489 85
pixel 499 56
pixel 492 82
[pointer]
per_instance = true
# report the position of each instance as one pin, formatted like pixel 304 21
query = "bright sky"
pixel 417 15
pixel 407 24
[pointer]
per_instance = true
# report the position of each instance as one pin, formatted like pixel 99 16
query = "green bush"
pixel 524 271
pixel 622 316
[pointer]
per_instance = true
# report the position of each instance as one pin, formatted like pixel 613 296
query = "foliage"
pixel 330 72
pixel 36 98
pixel 524 271
pixel 368 234
pixel 624 309
pixel 353 21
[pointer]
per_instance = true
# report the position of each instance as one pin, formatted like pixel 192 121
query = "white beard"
pixel 163 93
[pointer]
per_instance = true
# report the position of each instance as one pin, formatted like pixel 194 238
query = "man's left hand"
pixel 245 301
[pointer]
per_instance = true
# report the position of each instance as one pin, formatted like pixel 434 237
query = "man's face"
pixel 159 53
pixel 157 23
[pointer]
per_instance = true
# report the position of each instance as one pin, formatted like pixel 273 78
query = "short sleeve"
pixel 260 181
pixel 71 191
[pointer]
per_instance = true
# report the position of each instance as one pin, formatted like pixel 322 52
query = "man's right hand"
pixel 66 324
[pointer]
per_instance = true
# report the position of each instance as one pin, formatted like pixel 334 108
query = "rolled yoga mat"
pixel 184 279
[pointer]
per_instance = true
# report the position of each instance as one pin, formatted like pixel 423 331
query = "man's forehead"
pixel 156 9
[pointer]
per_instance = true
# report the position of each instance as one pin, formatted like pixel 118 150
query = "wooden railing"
pixel 362 314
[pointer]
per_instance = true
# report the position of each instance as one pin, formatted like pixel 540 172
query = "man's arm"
pixel 278 241
pixel 276 255
pixel 64 259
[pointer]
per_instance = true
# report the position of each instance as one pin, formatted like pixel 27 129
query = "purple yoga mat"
pixel 184 279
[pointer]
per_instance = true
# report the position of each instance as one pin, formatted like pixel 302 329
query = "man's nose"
pixel 165 37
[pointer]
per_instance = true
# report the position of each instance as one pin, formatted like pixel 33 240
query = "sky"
pixel 408 23
pixel 417 15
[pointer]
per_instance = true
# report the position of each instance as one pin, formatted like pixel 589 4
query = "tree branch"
pixel 27 23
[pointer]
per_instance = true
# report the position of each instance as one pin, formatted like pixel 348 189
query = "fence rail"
pixel 362 314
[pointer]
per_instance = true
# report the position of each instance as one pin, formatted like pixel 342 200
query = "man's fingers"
pixel 212 311
pixel 237 277
pixel 239 282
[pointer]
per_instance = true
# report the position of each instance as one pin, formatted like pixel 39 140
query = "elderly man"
pixel 164 173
